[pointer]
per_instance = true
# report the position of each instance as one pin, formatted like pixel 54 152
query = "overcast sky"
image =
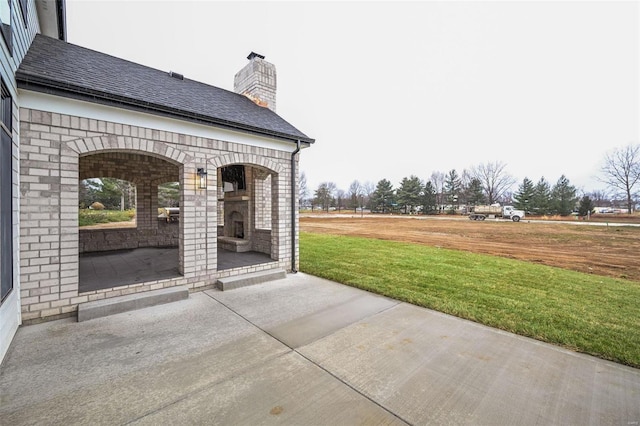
pixel 391 89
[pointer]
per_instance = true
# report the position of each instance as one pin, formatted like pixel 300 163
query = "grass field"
pixel 588 313
pixel 611 251
pixel 88 217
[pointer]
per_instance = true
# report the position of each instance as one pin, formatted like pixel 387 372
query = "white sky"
pixel 390 89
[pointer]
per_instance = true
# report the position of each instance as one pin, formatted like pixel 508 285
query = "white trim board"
pixel 73 107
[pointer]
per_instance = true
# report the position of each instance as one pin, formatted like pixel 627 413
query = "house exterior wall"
pixel 52 143
pixel 21 37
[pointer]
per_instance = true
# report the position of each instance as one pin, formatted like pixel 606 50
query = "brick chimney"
pixel 257 81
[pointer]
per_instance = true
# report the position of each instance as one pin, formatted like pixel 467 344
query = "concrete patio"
pixel 100 270
pixel 302 350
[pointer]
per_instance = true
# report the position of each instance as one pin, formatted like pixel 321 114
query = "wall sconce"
pixel 202 174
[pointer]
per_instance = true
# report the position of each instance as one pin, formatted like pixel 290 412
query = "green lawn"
pixel 586 313
pixel 93 217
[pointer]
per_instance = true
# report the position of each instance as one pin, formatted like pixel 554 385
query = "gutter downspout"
pixel 61 15
pixel 293 207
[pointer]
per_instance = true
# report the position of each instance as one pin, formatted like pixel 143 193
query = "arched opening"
pixel 144 249
pixel 246 199
pixel 106 202
pixel 169 202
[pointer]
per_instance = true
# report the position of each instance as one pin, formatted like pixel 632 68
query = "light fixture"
pixel 202 174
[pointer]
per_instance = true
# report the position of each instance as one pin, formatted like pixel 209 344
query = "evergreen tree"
pixel 409 193
pixel 383 197
pixel 429 199
pixel 475 193
pixel 563 197
pixel 586 207
pixel 523 198
pixel 114 194
pixel 87 192
pixel 541 201
pixel 452 187
pixel 169 194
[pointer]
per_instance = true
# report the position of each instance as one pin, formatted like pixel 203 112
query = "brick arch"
pixel 126 165
pixel 96 144
pixel 248 159
pixel 163 179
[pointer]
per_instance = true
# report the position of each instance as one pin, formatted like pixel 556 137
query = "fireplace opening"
pixel 238 229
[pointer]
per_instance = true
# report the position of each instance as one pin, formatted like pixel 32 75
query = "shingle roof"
pixel 64 69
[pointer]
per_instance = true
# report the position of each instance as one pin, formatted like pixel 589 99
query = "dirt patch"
pixel 603 250
pixel 111 225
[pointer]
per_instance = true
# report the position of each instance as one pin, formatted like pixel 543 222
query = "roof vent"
pixel 176 75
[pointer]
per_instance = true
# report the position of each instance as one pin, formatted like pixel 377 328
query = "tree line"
pixel 488 183
pixel 117 194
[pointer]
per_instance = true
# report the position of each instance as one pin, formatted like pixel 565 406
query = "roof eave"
pixel 29 82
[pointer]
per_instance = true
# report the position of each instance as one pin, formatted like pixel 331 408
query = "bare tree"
pixel 621 171
pixel 495 179
pixel 368 188
pixel 324 194
pixel 465 179
pixel 599 198
pixel 340 198
pixel 303 191
pixel 355 192
pixel 437 180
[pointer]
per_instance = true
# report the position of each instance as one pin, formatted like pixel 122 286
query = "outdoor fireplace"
pixel 234 233
pixel 238 229
pixel 235 223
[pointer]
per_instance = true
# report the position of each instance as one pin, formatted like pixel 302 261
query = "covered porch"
pixel 106 270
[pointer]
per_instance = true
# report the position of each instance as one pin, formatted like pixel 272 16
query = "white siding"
pixel 21 40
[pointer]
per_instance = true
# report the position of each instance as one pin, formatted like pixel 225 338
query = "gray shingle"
pixel 64 69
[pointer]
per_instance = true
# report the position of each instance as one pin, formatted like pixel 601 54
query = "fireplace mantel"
pixel 235 198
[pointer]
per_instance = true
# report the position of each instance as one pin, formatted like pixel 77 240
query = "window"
pixel 6 183
pixel 5 22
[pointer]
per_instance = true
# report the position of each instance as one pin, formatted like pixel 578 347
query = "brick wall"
pixel 95 240
pixel 56 151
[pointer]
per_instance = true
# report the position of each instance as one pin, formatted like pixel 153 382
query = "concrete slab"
pixel 431 368
pixel 238 281
pixel 299 311
pixel 118 368
pixel 284 390
pixel 355 358
pixel 130 302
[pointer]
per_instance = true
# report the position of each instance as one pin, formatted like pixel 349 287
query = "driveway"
pixel 302 350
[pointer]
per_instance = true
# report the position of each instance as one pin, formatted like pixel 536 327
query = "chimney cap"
pixel 253 55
